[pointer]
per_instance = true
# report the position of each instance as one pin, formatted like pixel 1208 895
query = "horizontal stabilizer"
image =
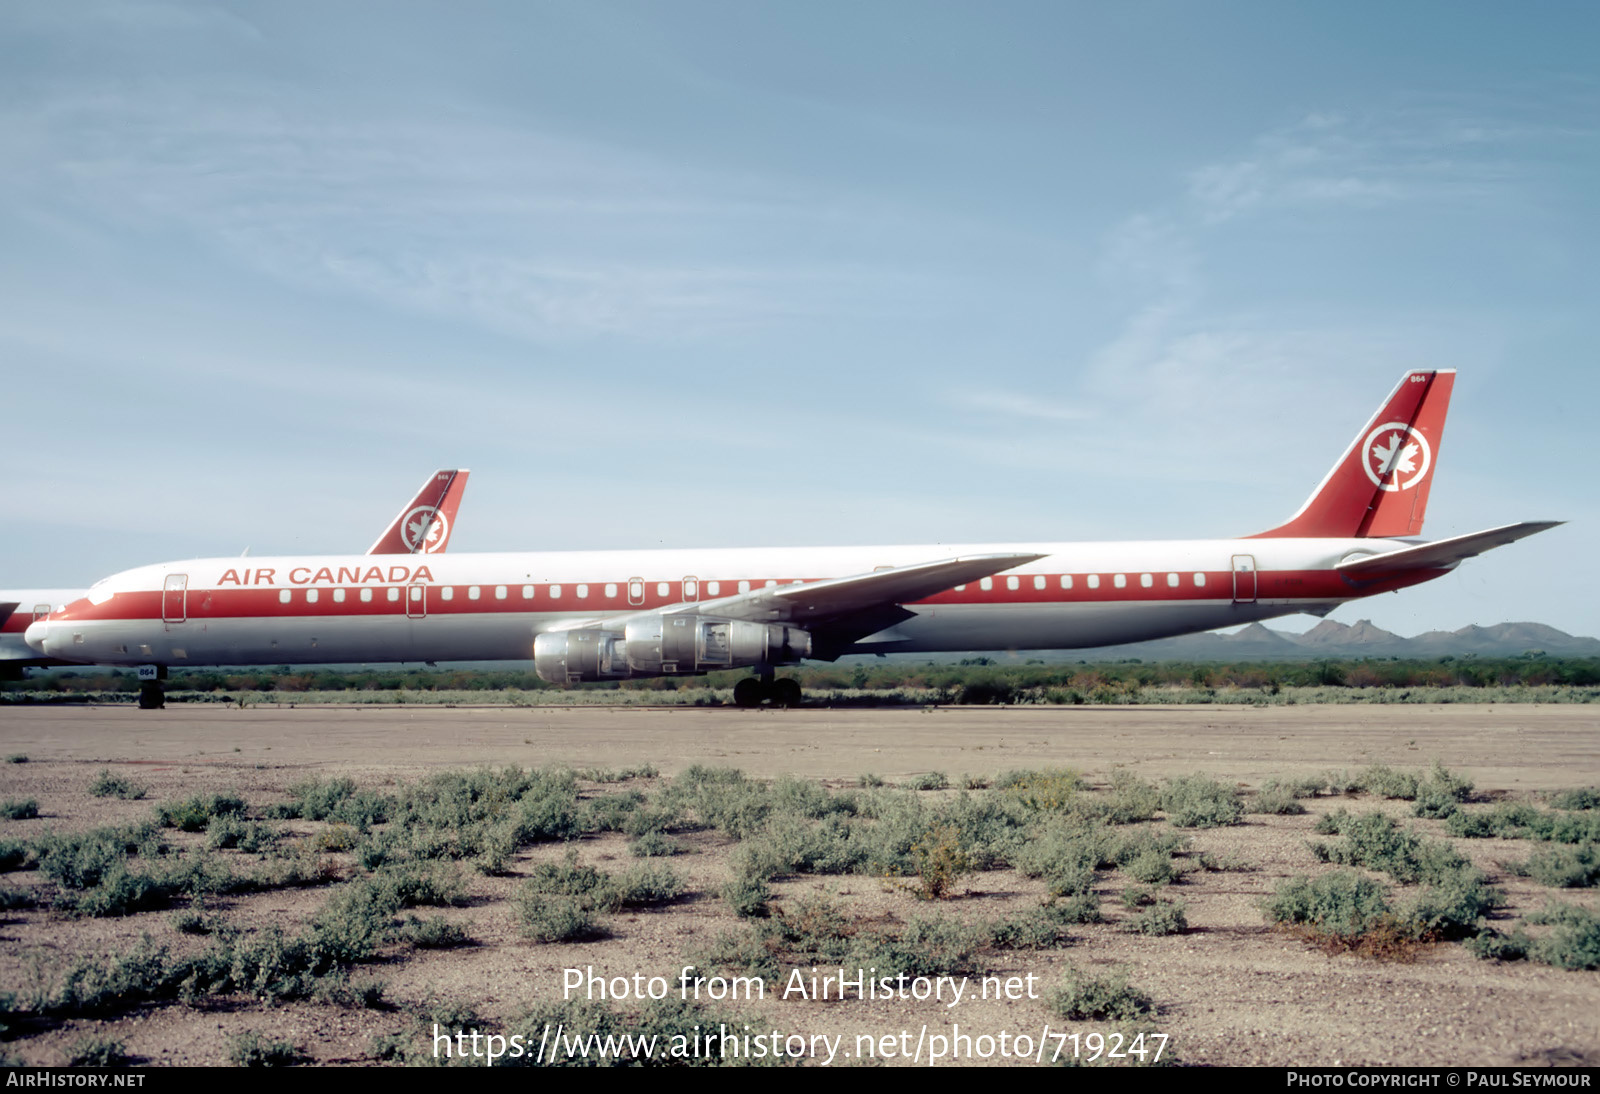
pixel 1443 554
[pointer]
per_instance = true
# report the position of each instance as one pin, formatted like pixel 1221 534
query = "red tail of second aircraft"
pixel 423 527
pixel 1379 487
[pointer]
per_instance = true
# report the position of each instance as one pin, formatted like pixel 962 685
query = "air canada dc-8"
pixel 614 615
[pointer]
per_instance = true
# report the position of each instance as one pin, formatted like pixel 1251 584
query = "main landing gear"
pixel 754 691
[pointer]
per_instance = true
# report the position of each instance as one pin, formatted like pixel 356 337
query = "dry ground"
pixel 1229 990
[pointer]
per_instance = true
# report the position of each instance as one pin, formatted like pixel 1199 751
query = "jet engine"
pixel 666 644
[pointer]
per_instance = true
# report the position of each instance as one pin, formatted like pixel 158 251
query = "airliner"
pixel 618 615
pixel 422 527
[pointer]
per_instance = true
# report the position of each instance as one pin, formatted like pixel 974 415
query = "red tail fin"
pixel 424 525
pixel 1379 487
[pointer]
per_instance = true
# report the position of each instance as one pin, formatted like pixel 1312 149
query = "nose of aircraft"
pixel 34 636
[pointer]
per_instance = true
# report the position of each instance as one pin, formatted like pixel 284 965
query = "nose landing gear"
pixel 152 694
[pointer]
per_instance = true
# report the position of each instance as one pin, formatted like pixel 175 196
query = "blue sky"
pixel 740 273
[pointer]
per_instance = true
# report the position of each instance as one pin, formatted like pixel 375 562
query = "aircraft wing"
pixel 820 601
pixel 1442 554
pixel 6 609
pixel 817 603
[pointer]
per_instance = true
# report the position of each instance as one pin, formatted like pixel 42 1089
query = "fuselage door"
pixel 691 589
pixel 1244 579
pixel 175 598
pixel 636 591
pixel 416 601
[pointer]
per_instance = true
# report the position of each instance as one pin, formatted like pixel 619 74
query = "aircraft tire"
pixel 152 697
pixel 749 693
pixel 786 693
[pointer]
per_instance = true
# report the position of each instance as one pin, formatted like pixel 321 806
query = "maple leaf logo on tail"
pixel 1397 457
pixel 424 530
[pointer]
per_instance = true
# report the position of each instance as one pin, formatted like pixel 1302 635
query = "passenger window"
pixel 555 592
pixel 473 592
pixel 527 592
pixel 986 583
pixel 1146 580
pixel 611 590
pixel 662 589
pixel 744 586
pixel 1172 581
pixel 1038 582
pixel 284 596
pixel 338 596
pixel 1199 579
pixel 311 596
pixel 447 592
pixel 1066 581
pixel 1120 580
pixel 416 594
pixel 1094 581
pixel 366 596
pixel 771 583
pixel 582 591
pixel 499 592
pixel 394 594
pixel 961 588
pixel 1012 582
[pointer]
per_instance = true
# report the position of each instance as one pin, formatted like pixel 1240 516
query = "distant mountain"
pixel 1331 639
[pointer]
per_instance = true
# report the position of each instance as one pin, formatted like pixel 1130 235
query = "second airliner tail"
pixel 1379 487
pixel 424 525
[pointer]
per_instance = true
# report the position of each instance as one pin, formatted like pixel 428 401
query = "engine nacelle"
pixel 669 643
pixel 570 657
pixel 666 644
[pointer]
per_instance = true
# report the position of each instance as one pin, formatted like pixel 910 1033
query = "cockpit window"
pixel 100 592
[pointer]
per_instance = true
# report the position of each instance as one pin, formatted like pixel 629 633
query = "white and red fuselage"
pixel 615 614
pixel 320 610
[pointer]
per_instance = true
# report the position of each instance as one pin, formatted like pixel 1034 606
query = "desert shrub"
pixel 553 917
pixel 1342 905
pixel 78 860
pixel 720 798
pixel 230 830
pixel 1575 942
pixel 654 845
pixel 19 808
pixel 1386 782
pixel 748 896
pixel 1130 800
pixel 940 860
pixel 98 1052
pixel 107 785
pixel 1161 918
pixel 1151 867
pixel 1563 867
pixel 869 781
pixel 1082 997
pixel 15 855
pixel 1195 801
pixel 1451 907
pixel 1041 928
pixel 1491 945
pixel 253 1050
pixel 194 814
pixel 932 780
pixel 814 930
pixel 1584 798
pixel 645 885
pixel 928 946
pixel 435 933
pixel 610 812
pixel 1278 799
pixel 1042 790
